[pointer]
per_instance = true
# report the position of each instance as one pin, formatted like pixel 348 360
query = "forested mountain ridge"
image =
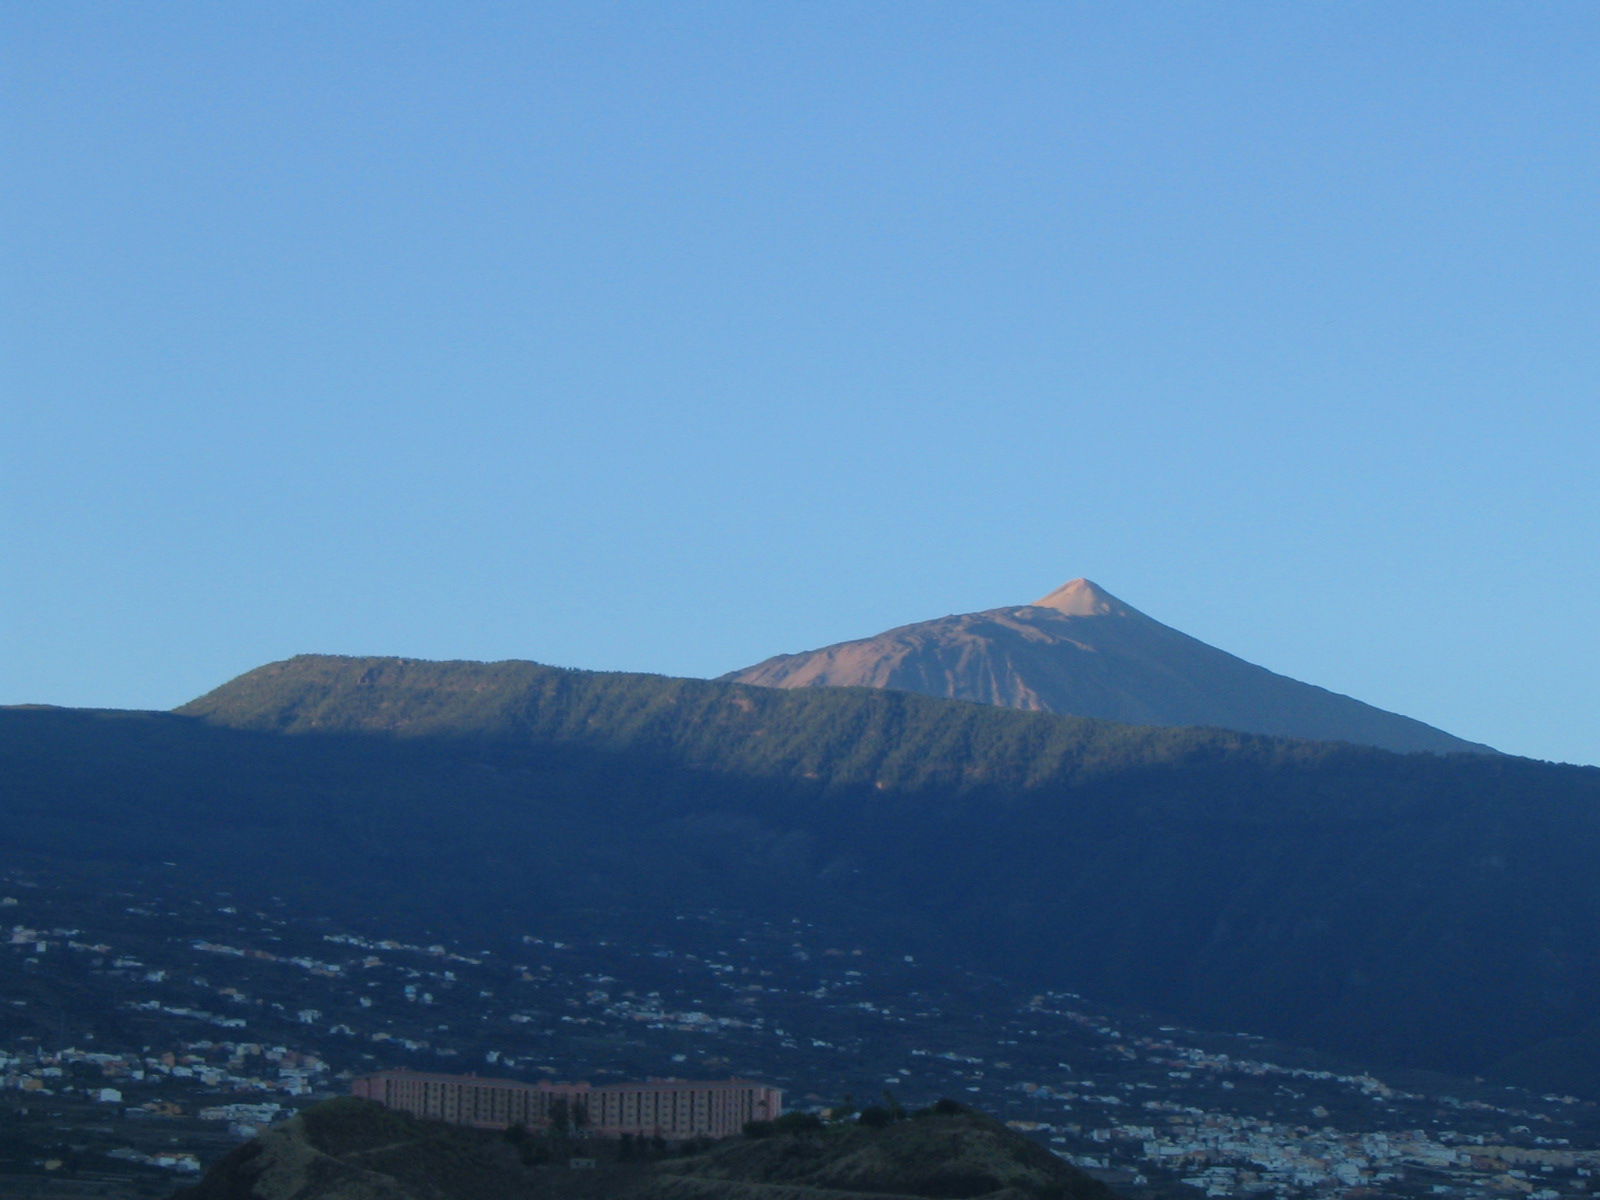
pixel 1081 651
pixel 843 736
pixel 1438 911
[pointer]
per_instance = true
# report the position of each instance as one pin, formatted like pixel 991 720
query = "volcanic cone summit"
pixel 1079 650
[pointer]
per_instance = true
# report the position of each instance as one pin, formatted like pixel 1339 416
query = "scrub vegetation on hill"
pixel 355 1150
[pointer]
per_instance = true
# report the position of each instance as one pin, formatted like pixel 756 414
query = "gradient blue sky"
pixel 666 337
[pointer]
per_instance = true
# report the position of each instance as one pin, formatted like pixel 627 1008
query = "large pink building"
pixel 671 1108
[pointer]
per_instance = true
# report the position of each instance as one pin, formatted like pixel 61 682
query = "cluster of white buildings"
pixel 113 1078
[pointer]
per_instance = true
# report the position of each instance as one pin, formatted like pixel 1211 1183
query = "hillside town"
pixel 141 1036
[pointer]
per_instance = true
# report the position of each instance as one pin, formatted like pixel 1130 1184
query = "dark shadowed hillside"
pixel 1420 910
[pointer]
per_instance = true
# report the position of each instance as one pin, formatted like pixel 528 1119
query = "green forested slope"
pixel 838 736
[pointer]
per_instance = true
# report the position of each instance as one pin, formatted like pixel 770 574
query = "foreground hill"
pixel 355 1150
pixel 1082 651
pixel 1418 910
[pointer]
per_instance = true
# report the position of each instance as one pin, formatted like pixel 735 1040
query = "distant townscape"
pixel 182 1045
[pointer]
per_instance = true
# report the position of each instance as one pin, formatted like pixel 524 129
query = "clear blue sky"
pixel 670 336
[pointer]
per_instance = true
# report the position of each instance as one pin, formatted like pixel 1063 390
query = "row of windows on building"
pixel 672 1108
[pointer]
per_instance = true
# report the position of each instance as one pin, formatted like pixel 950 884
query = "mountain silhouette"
pixel 1081 651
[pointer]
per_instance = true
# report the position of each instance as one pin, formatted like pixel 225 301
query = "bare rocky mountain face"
pixel 1083 652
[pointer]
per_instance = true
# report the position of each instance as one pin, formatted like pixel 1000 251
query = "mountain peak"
pixel 1055 656
pixel 1083 598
